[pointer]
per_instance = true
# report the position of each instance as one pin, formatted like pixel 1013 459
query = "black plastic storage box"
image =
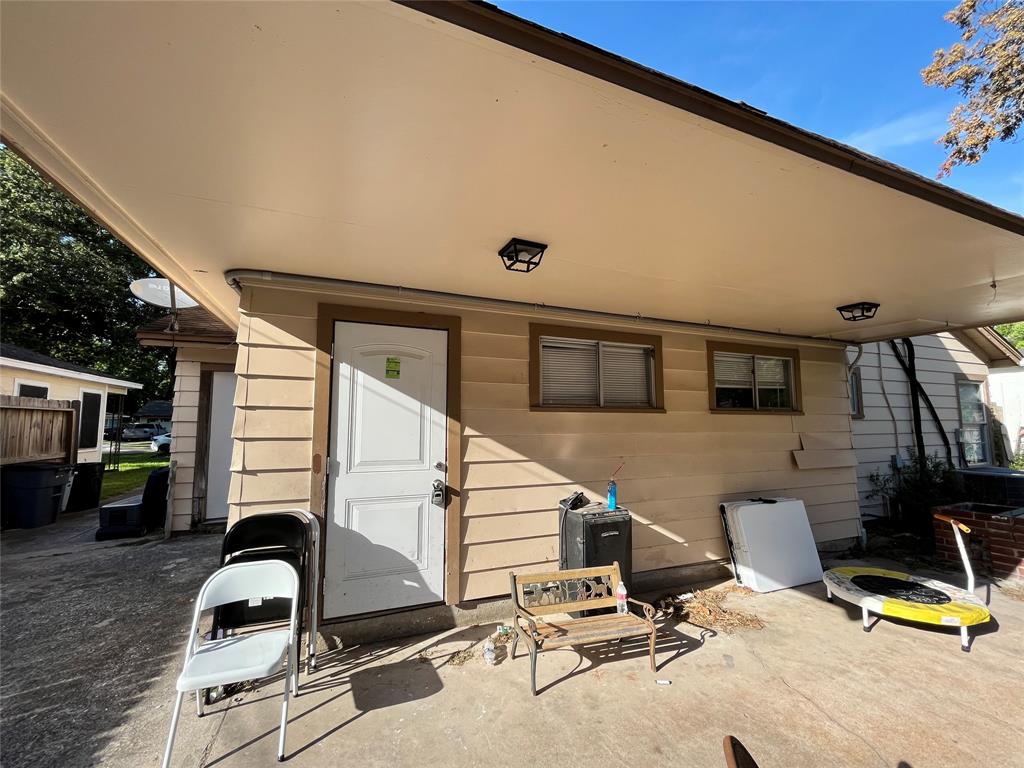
pixel 87 487
pixel 31 493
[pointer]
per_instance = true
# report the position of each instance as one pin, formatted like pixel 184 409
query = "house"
pixel 202 413
pixel 472 265
pixel 25 373
pixel 155 412
pixel 1006 389
pixel 955 369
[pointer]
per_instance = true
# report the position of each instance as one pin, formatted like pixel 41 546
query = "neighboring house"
pixel 953 368
pixel 155 412
pixel 1006 388
pixel 202 413
pixel 344 220
pixel 26 373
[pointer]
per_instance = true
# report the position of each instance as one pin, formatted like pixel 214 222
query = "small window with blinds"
pixel 742 378
pixel 585 369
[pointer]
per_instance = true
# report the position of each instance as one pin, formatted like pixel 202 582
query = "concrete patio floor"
pixel 811 689
pixel 93 635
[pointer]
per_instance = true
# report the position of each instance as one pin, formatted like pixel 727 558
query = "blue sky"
pixel 847 70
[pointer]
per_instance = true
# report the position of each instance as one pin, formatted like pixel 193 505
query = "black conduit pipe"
pixel 917 390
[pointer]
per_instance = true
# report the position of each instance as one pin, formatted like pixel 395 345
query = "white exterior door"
pixel 385 532
pixel 218 462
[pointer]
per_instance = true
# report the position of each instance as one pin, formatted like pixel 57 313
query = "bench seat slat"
pixel 582 631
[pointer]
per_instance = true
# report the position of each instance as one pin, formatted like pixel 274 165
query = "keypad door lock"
pixel 437 496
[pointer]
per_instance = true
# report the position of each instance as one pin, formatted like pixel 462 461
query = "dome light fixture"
pixel 522 255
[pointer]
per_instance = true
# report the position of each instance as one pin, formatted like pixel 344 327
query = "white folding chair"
pixel 241 657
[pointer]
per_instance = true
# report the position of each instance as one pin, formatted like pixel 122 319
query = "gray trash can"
pixel 32 493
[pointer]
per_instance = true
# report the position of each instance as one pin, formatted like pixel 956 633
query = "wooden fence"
pixel 33 429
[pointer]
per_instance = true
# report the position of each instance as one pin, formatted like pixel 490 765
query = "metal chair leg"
pixel 174 727
pixel 866 619
pixel 654 663
pixel 284 714
pixel 533 670
pixel 965 640
pixel 199 703
pixel 515 643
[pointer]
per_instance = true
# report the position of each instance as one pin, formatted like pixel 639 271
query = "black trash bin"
pixel 86 487
pixel 31 493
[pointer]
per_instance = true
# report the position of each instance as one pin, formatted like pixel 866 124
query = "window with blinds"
pixel 973 423
pixel 749 381
pixel 596 374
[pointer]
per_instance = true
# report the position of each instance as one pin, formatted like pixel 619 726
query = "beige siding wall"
pixel 188 369
pixel 62 388
pixel 940 358
pixel 517 464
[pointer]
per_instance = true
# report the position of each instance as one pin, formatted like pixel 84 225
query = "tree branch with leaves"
pixel 987 68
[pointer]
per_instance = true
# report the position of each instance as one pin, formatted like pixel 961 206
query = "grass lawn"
pixel 135 468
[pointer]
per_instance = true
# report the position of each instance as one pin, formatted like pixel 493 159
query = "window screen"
pixel 753 382
pixel 33 390
pixel 577 372
pixel 88 434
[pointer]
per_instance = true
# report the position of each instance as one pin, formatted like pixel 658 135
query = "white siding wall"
pixel 939 358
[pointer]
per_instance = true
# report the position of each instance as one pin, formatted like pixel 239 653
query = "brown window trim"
pixel 752 349
pixel 594 334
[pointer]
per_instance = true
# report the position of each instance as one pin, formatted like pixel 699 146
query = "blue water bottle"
pixel 613 492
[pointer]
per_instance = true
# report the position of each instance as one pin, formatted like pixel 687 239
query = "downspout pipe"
pixel 917 391
pixel 236 277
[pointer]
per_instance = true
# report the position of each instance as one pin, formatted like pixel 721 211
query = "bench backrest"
pixel 565 591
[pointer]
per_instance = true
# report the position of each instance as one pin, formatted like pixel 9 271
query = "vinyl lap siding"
pixel 518 463
pixel 939 359
pixel 679 466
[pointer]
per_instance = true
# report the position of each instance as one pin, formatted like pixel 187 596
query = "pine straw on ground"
pixel 705 609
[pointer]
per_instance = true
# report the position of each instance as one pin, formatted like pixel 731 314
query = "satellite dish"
pixel 157 291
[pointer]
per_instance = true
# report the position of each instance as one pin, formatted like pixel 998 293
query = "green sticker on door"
pixel 393 368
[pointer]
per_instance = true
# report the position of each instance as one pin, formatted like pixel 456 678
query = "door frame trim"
pixel 327 316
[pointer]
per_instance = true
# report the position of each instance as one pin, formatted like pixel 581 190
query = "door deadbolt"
pixel 437 495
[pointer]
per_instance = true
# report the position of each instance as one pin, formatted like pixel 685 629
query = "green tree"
pixel 64 284
pixel 987 68
pixel 1014 333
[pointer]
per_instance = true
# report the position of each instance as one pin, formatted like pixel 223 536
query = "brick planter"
pixel 995 543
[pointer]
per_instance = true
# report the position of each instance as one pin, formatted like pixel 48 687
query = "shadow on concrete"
pixel 670 640
pixel 411 674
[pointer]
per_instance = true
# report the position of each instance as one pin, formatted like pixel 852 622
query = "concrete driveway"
pixel 92 641
pixel 92 637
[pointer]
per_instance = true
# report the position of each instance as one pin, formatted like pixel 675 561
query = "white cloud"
pixel 913 128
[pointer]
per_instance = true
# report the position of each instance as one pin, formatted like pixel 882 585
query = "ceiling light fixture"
pixel 522 255
pixel 861 310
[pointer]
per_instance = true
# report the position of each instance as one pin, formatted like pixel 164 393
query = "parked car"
pixel 161 444
pixel 142 431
